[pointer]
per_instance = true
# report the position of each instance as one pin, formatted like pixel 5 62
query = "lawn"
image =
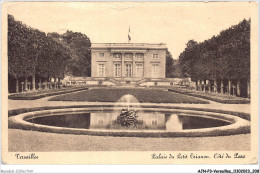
pixel 142 95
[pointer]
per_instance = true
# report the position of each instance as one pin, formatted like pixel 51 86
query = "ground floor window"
pixel 155 70
pixel 101 70
pixel 117 70
pixel 128 70
pixel 139 70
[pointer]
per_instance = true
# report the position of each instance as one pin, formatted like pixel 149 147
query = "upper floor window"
pixel 139 55
pixel 129 55
pixel 101 54
pixel 154 122
pixel 155 56
pixel 117 55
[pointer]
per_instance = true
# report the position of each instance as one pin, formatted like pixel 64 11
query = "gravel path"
pixel 26 141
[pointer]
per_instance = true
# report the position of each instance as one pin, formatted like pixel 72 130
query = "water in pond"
pixel 144 120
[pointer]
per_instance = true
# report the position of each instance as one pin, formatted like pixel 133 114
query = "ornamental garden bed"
pixel 221 98
pixel 44 93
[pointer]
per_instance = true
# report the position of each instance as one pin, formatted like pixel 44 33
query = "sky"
pixel 172 23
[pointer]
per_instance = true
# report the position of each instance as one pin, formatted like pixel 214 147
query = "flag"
pixel 129 37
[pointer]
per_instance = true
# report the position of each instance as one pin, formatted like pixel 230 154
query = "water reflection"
pixel 145 120
pixel 174 122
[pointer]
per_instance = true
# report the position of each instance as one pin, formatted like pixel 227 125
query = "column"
pixel 134 66
pixel 123 66
pixel 145 66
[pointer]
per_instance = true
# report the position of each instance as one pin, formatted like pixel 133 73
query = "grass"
pixel 142 95
pixel 221 98
pixel 44 93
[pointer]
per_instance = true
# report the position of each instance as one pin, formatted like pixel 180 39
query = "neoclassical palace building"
pixel 116 64
pixel 128 60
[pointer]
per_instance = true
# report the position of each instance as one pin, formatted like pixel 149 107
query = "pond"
pixel 144 120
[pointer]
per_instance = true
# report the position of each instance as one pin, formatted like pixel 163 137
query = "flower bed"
pixel 221 98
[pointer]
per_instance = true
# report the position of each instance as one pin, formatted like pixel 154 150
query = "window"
pixel 128 70
pixel 154 70
pixel 128 55
pixel 139 55
pixel 101 70
pixel 139 70
pixel 154 122
pixel 101 54
pixel 117 55
pixel 155 56
pixel 117 70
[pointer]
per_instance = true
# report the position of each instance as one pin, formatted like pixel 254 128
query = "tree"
pixel 31 53
pixel 187 58
pixel 223 57
pixel 80 64
pixel 169 64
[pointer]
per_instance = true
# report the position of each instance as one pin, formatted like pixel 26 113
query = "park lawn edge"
pixel 225 101
pixel 47 94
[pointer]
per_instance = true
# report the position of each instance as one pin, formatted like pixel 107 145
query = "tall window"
pixel 117 70
pixel 101 55
pixel 128 70
pixel 139 70
pixel 154 70
pixel 101 70
pixel 155 56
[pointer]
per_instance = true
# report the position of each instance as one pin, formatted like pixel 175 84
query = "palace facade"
pixel 128 60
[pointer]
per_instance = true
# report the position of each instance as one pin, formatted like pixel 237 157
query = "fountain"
pixel 120 119
pixel 128 99
pixel 128 117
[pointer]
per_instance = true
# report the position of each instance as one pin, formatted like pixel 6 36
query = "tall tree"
pixel 80 64
pixel 169 64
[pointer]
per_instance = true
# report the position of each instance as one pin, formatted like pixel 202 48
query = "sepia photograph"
pixel 129 83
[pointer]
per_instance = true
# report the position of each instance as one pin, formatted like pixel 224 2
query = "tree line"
pixel 34 57
pixel 221 63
